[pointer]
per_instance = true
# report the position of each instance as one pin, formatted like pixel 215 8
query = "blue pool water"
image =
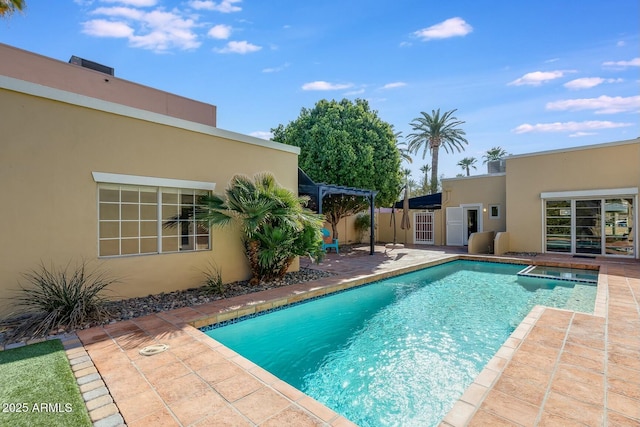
pixel 401 351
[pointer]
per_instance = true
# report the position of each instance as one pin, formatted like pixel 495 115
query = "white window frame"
pixel 497 216
pixel 150 181
pixel 602 194
pixel 157 184
pixel 465 215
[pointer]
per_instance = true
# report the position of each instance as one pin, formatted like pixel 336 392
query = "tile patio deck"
pixel 557 368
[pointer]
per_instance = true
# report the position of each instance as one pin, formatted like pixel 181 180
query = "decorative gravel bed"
pixel 136 307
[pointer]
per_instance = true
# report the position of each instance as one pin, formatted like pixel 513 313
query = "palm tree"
pixel 411 185
pixel 275 226
pixel 404 152
pixel 468 162
pixel 8 7
pixel 496 153
pixel 425 179
pixel 433 131
pixel 406 172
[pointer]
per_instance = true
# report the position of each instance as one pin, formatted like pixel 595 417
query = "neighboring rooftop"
pixel 582 147
pixel 82 79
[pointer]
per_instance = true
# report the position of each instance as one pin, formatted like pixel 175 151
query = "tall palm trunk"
pixel 435 148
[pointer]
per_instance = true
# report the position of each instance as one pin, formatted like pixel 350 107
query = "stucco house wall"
pixel 53 143
pixel 483 192
pixel 384 228
pixel 596 168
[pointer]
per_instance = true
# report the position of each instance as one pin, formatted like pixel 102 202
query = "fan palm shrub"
pixel 276 228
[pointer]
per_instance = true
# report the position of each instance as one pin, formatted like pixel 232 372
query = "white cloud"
pixel 569 126
pixel 225 6
pixel 241 47
pixel 354 92
pixel 536 78
pixel 453 27
pixel 136 3
pixel 160 29
pixel 579 134
pixel 262 134
pixel 322 85
pixel 588 82
pixel 120 12
pixel 167 30
pixel 275 69
pixel 220 32
pixel 602 104
pixel 620 43
pixel 635 62
pixel 154 30
pixel 103 28
pixel 394 85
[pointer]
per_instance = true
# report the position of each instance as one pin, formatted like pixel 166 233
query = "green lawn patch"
pixel 38 388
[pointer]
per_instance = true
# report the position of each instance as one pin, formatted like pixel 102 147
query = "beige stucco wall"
pixel 501 243
pixel 48 152
pixel 481 242
pixel 346 230
pixel 607 166
pixel 486 190
pixel 384 229
pixel 384 232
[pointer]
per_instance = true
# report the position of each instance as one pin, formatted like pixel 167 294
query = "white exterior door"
pixel 423 228
pixel 455 227
pixel 471 219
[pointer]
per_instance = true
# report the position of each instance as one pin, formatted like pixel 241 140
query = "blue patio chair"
pixel 327 246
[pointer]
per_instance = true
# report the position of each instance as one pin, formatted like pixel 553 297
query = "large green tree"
pixel 345 143
pixel 8 7
pixel 433 131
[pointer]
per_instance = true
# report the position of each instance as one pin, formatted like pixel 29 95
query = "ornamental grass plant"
pixel 55 299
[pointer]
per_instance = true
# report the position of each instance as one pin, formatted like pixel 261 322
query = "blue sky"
pixel 524 75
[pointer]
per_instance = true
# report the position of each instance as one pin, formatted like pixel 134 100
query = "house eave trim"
pixel 116 178
pixel 46 92
pixel 630 191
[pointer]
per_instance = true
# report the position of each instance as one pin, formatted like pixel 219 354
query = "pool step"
pixel 560 273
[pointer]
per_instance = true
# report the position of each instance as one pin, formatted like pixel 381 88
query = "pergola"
pixel 317 191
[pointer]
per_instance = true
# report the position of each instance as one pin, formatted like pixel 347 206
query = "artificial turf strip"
pixel 38 388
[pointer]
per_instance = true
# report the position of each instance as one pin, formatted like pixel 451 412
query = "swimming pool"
pixel 403 350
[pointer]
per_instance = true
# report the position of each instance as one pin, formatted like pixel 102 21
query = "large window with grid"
pixel 138 219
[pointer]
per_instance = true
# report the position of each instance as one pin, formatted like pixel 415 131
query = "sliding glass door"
pixel 618 230
pixel 558 226
pixel 588 229
pixel 590 226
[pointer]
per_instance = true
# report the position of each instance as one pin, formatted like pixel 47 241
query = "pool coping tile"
pixel 584 353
